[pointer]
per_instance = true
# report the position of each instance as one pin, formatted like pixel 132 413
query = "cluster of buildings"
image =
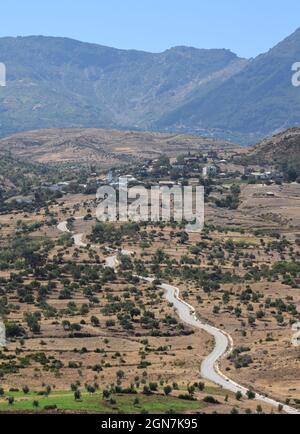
pixel 262 175
pixel 184 170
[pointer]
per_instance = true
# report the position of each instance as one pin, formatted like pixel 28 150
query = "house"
pixel 60 186
pixel 212 154
pixel 194 182
pixel 167 183
pixel 129 178
pixel 261 176
pixel 263 194
pixel 191 160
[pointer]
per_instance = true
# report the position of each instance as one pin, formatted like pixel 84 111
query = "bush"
pixel 187 397
pixel 250 394
pixel 11 400
pixel 210 400
pixel 50 407
pixel 13 330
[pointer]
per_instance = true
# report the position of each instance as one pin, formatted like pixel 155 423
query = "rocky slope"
pixel 59 82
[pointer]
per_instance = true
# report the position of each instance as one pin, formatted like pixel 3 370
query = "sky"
pixel 247 27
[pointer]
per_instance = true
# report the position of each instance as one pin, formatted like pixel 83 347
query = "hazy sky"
pixel 247 27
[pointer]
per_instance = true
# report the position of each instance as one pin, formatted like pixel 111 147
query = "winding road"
pixel 210 367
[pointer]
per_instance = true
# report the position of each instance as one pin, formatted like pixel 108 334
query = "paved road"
pixel 62 226
pixel 223 342
pixel 223 345
pixel 78 240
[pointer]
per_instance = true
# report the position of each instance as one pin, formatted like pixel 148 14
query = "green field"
pixel 65 401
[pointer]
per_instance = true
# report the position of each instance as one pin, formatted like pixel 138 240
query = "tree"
pixel 13 330
pixel 106 394
pixel 120 375
pixel 11 400
pixel 250 394
pixel 32 320
pixel 201 386
pixel 77 395
pixel 251 320
pixel 235 189
pixel 183 238
pixel 238 395
pixel 35 404
pixel 153 387
pixel 95 321
pixel 167 390
pixel 191 390
pixel 25 390
pixel 259 409
pixel 91 389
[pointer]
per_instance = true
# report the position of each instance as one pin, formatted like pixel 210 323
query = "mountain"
pixel 258 101
pixel 101 146
pixel 63 83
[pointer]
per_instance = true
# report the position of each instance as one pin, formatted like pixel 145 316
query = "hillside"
pixel 280 147
pixel 63 83
pixel 258 101
pixel 282 150
pixel 105 147
pixel 17 175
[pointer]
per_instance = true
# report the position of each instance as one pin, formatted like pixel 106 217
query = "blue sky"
pixel 247 27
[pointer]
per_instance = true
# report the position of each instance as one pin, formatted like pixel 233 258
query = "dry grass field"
pixel 99 146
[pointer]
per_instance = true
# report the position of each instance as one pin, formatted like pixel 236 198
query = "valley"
pixel 85 334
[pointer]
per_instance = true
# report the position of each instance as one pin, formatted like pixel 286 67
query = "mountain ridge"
pixel 58 82
pixel 262 88
pixel 63 83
